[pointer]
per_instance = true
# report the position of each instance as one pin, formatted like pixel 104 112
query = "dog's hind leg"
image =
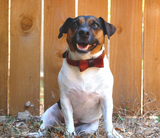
pixel 51 118
pixel 87 128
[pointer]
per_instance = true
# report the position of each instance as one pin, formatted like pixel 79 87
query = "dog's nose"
pixel 84 33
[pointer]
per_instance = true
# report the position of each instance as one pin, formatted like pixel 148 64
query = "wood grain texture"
pixel 95 8
pixel 55 14
pixel 25 55
pixel 152 55
pixel 126 53
pixel 3 55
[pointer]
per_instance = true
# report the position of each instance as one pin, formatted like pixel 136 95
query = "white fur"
pixel 84 97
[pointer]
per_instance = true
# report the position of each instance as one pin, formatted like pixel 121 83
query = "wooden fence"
pixel 128 48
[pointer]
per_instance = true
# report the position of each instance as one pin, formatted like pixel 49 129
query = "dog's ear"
pixel 64 28
pixel 108 28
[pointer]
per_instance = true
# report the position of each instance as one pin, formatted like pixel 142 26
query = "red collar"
pixel 84 64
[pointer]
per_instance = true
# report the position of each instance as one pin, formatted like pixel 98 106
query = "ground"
pixel 129 127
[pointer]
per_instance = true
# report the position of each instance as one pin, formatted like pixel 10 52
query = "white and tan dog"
pixel 85 80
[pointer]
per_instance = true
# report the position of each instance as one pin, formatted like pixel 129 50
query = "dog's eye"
pixel 74 24
pixel 95 25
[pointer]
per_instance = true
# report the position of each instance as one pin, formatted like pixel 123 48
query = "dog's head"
pixel 86 33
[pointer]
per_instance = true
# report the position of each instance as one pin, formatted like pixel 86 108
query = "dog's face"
pixel 86 33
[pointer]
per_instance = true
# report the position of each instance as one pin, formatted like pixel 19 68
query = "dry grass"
pixel 128 126
pixel 141 127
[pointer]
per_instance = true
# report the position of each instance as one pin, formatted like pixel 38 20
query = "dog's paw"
pixel 114 134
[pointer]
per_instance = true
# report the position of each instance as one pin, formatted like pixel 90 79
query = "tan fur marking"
pixel 100 36
pixel 97 34
pixel 81 20
pixel 69 39
pixel 90 20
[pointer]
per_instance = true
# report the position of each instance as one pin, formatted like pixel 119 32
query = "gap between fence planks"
pixel 55 14
pixel 3 55
pixel 152 56
pixel 25 56
pixel 126 53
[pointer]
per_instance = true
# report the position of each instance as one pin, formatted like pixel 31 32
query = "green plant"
pixel 158 119
pixel 127 108
pixel 121 118
pixel 9 117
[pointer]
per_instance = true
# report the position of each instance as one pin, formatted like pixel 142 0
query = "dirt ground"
pixel 128 126
pixel 142 127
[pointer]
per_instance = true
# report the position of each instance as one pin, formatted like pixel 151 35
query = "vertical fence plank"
pixel 152 55
pixel 25 55
pixel 126 53
pixel 3 55
pixel 92 7
pixel 95 8
pixel 55 14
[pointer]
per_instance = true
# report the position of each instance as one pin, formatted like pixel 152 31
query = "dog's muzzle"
pixel 83 41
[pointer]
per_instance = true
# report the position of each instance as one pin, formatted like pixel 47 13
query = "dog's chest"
pixel 88 83
pixel 84 92
pixel 86 105
pixel 85 99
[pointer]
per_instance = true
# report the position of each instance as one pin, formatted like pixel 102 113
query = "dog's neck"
pixel 83 56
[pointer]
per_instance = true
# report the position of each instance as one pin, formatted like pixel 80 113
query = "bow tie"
pixel 84 64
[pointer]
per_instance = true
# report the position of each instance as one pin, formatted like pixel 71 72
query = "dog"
pixel 85 80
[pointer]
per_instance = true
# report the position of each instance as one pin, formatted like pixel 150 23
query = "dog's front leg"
pixel 68 114
pixel 107 110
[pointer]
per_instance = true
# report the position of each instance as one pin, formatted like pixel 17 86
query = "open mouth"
pixel 85 47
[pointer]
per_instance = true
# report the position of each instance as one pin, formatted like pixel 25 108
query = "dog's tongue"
pixel 82 45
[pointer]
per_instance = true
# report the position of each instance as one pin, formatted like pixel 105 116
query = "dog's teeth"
pixel 81 48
